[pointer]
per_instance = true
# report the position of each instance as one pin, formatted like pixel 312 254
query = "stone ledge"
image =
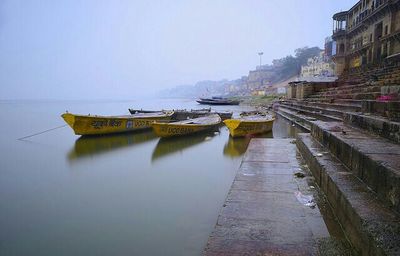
pixel 314 114
pixel 310 107
pixel 374 160
pixel 377 125
pixel 372 228
pixel 301 120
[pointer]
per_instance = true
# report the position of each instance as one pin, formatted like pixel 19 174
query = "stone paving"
pixel 261 214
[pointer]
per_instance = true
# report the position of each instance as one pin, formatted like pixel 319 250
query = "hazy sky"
pixel 70 49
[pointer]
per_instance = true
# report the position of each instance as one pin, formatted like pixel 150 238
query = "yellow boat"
pixel 95 125
pixel 185 127
pixel 250 124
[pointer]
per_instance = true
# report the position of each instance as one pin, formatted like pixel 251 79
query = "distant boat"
pixel 253 123
pixel 183 114
pixel 95 125
pixel 186 127
pixel 217 101
pixel 201 110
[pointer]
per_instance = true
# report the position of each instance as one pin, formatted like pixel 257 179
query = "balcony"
pixel 338 33
pixel 339 24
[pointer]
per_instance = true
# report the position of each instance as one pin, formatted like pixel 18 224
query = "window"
pixel 386 29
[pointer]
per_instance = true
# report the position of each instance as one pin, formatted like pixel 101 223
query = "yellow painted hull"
pixel 169 130
pixel 96 125
pixel 186 127
pixel 240 127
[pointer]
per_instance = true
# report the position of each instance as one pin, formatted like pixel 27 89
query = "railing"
pixel 339 32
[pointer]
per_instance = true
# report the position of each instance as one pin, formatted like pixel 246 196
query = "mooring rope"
pixel 58 127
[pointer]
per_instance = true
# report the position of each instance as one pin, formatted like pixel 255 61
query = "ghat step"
pixel 378 125
pixel 372 228
pixel 374 160
pixel 313 108
pixel 301 120
pixel 312 113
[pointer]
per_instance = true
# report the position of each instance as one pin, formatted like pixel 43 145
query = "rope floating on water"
pixel 58 127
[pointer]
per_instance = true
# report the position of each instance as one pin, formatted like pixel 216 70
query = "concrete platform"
pixel 261 214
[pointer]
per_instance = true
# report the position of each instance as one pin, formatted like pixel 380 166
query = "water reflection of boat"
pixel 167 146
pixel 87 146
pixel 236 147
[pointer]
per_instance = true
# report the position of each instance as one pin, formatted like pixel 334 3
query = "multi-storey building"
pixel 318 66
pixel 368 33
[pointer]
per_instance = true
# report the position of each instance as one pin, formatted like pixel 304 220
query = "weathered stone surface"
pixel 374 160
pixel 372 227
pixel 261 214
pixel 377 125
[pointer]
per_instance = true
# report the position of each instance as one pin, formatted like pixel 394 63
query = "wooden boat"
pixel 185 127
pixel 183 114
pixel 217 101
pixel 250 124
pixel 95 125
pixel 201 110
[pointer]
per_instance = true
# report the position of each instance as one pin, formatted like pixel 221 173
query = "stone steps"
pixel 375 124
pixel 300 120
pixel 313 108
pixel 338 106
pixel 352 86
pixel 389 109
pixel 357 96
pixel 347 152
pixel 365 89
pixel 371 226
pixel 374 160
pixel 311 113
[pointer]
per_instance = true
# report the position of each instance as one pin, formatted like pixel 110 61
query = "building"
pixel 318 66
pixel 328 47
pixel 368 33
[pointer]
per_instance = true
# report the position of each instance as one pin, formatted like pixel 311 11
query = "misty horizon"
pixel 103 50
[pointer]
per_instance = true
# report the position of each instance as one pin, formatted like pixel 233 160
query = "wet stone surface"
pixel 262 214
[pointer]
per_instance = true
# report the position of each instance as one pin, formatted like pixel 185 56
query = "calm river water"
pixel 128 194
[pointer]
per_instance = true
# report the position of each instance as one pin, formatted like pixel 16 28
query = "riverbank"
pixel 259 101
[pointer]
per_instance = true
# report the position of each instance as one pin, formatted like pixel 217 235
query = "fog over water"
pixel 122 49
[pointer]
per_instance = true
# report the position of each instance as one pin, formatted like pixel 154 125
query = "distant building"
pixel 259 79
pixel 318 66
pixel 368 33
pixel 328 47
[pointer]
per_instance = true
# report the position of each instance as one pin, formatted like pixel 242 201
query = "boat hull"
pixel 218 102
pixel 96 125
pixel 180 115
pixel 185 127
pixel 240 128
